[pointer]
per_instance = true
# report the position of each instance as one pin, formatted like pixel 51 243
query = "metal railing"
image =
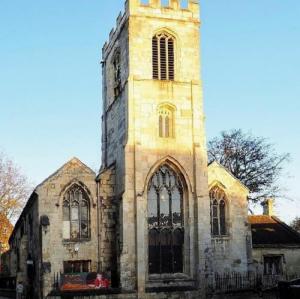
pixel 234 282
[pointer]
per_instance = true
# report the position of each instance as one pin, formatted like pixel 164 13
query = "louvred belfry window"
pixel 76 211
pixel 218 212
pixel 163 57
pixel 165 222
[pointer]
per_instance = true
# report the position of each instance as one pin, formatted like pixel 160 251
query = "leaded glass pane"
pixel 218 212
pixel 76 214
pixel 178 241
pixel 167 127
pixel 84 229
pixel 166 251
pixel 165 196
pixel 215 209
pixel 152 207
pixel 75 230
pixel 222 218
pixel 66 211
pixel 84 210
pixel 164 207
pixel 74 211
pixel 161 126
pixel 176 207
pixel 215 225
pixel 154 252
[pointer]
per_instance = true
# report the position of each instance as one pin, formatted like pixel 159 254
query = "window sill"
pixel 225 237
pixel 163 80
pixel 170 289
pixel 167 138
pixel 72 241
pixel 169 282
pixel 168 276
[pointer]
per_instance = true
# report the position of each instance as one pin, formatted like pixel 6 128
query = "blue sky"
pixel 50 84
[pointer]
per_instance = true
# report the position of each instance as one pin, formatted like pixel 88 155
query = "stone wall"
pixel 229 252
pixel 291 258
pixel 109 238
pixel 115 118
pixel 56 250
pixel 24 243
pixel 143 150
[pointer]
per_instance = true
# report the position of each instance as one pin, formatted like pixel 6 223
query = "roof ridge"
pixel 286 226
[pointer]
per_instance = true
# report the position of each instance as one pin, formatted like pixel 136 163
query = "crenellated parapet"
pixel 121 20
pixel 192 5
pixel 185 8
pixel 188 10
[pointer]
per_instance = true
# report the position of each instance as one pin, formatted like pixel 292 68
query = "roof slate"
pixel 270 231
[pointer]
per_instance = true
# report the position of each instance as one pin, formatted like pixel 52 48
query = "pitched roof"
pixel 269 231
pixel 34 196
pixel 220 166
pixel 73 161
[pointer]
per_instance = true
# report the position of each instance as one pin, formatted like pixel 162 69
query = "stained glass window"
pixel 218 212
pixel 165 222
pixel 76 214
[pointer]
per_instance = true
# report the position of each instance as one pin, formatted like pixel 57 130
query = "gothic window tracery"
pixel 76 211
pixel 165 222
pixel 163 53
pixel 218 208
pixel 166 122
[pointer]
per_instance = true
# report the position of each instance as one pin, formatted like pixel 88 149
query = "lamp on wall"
pixel 45 223
pixel 76 248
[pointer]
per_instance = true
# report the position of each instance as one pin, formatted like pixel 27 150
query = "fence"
pixel 234 282
pixel 8 283
pixel 216 283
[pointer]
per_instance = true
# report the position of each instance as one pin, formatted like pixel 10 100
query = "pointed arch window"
pixel 165 222
pixel 76 214
pixel 218 211
pixel 166 122
pixel 163 53
pixel 117 74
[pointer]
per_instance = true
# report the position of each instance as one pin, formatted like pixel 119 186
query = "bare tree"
pixel 14 188
pixel 296 224
pixel 250 159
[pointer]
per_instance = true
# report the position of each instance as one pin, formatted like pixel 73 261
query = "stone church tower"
pixel 153 138
pixel 156 218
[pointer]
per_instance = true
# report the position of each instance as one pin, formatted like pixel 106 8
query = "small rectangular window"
pixel 273 265
pixel 72 267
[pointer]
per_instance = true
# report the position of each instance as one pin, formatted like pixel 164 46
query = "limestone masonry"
pixel 156 217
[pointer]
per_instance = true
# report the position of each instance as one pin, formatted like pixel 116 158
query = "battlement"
pixel 175 9
pixel 183 6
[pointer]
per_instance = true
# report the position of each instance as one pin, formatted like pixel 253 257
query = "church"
pixel 157 217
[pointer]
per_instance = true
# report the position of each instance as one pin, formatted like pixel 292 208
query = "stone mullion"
pixel 167 59
pixel 79 213
pixel 159 63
